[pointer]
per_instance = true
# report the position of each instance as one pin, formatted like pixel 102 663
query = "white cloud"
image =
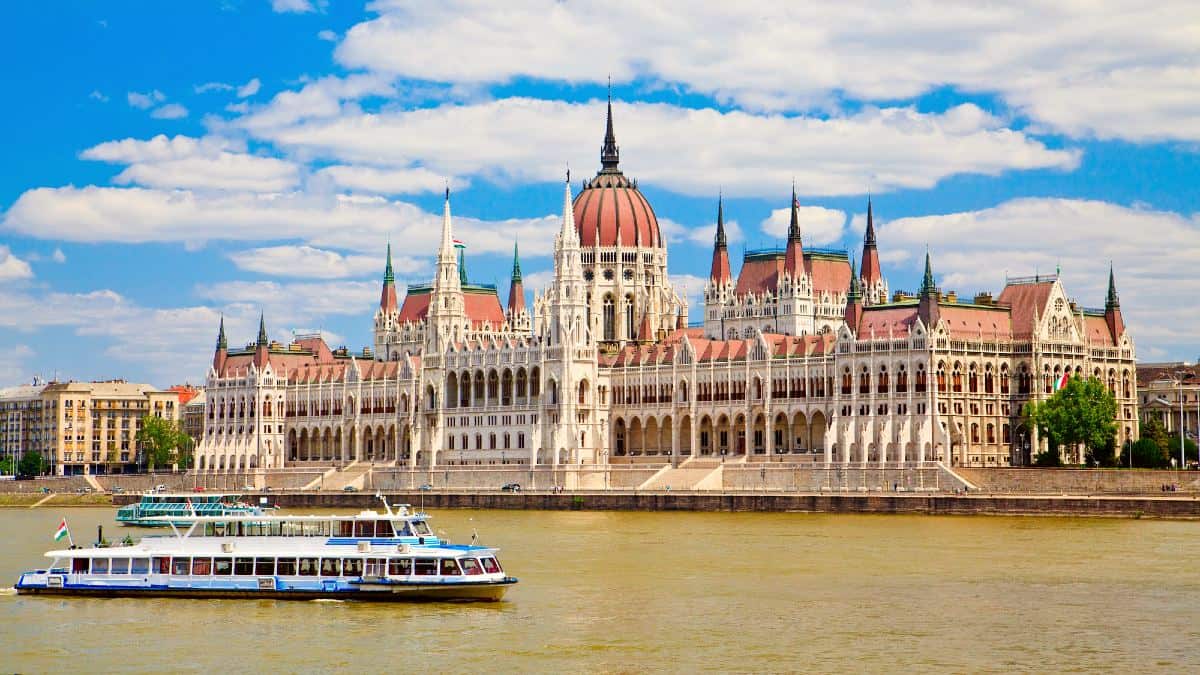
pixel 388 181
pixel 170 111
pixel 12 267
pixel 14 364
pixel 691 287
pixel 249 89
pixel 307 261
pixel 140 215
pixel 292 6
pixel 298 302
pixel 819 225
pixel 703 235
pixel 97 95
pixel 1155 253
pixel 212 86
pixel 1063 64
pixel 58 256
pixel 523 140
pixel 145 101
pixel 327 35
pixel 186 162
pixel 317 99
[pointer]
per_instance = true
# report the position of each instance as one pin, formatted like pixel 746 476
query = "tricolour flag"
pixel 62 530
pixel 1061 381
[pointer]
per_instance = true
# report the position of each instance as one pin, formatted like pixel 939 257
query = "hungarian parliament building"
pixel 804 356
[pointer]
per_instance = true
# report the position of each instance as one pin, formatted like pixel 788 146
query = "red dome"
pixel 610 204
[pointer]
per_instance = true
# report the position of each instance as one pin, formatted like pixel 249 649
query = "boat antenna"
pixel 380 497
pixel 474 536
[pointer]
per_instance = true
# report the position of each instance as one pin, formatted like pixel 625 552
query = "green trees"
pixel 31 464
pixel 1083 412
pixel 1147 454
pixel 163 443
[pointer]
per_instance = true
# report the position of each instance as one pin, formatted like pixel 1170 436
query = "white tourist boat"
pixel 390 556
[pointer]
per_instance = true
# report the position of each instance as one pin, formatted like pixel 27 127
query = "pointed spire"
pixel 388 276
pixel 855 292
pixel 447 246
pixel 794 225
pixel 869 239
pixel 720 240
pixel 1112 301
pixel 928 287
pixel 568 234
pixel 263 341
pixel 462 265
pixel 516 270
pixel 610 154
pixel 222 343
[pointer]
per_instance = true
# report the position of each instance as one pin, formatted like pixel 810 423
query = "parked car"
pixel 511 487
pixel 349 488
pixel 249 488
pixel 160 488
pixel 116 489
pixel 425 487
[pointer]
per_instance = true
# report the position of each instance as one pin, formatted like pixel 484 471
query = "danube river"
pixel 677 592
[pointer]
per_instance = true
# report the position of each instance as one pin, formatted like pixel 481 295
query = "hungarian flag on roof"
pixel 62 530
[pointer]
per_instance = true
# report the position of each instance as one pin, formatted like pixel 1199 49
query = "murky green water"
pixel 677 592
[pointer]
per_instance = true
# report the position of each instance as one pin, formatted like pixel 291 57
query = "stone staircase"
pixel 691 477
pixel 353 475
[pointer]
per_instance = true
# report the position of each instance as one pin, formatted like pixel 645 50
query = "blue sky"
pixel 172 162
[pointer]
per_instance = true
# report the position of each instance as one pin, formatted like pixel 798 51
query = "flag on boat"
pixel 1061 381
pixel 62 530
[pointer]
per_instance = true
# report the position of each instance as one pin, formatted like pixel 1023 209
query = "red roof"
pixel 1026 300
pixel 186 392
pixel 759 275
pixel 828 275
pixel 482 305
pixel 611 206
pixel 880 319
pixel 971 322
pixel 1097 332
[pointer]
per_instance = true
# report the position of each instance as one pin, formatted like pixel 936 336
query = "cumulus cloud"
pixel 327 35
pixel 523 139
pixel 1062 64
pixel 141 215
pixel 12 267
pixel 186 162
pixel 297 302
pixel 702 235
pixel 145 101
pixel 1155 254
pixel 388 181
pixel 292 6
pixel 170 111
pixel 818 224
pixel 97 95
pixel 249 89
pixel 317 99
pixel 212 86
pixel 311 262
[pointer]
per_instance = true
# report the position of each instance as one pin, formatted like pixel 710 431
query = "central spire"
pixel 262 331
pixel 610 154
pixel 928 287
pixel 389 277
pixel 720 242
pixel 222 343
pixel 869 239
pixel 1112 301
pixel 794 225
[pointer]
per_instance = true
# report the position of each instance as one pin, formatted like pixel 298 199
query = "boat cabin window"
pixel 162 565
pixel 201 566
pixel 402 529
pixel 383 528
pixel 376 567
pixel 471 566
pixel 426 566
pixel 140 566
pixel 287 567
pixel 450 567
pixel 243 567
pixel 421 528
pixel 264 566
pixel 180 566
pixel 490 565
pixel 223 566
pixel 345 528
pixel 400 567
pixel 352 567
pixel 331 567
pixel 119 566
pixel 99 565
pixel 79 565
pixel 308 567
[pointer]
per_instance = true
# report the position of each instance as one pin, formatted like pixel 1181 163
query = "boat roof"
pixel 192 495
pixel 137 551
pixel 401 513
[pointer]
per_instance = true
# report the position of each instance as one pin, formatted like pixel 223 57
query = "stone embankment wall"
pixel 488 478
pixel 803 478
pixel 613 500
pixel 1080 481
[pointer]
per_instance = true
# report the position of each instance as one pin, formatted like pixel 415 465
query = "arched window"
pixel 610 324
pixel 630 328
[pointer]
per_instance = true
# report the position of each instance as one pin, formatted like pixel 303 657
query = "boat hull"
pixel 491 591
